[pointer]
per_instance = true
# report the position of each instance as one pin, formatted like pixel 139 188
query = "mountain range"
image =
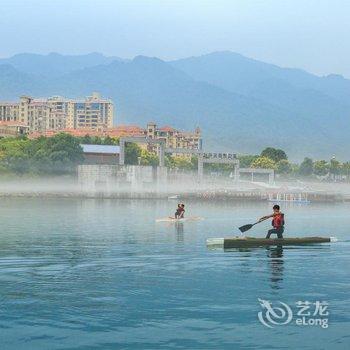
pixel 242 105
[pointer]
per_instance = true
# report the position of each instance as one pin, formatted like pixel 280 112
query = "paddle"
pixel 245 228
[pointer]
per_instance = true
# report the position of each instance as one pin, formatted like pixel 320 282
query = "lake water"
pixel 101 274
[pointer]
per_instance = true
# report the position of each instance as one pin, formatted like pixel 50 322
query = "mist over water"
pixel 102 274
pixel 63 186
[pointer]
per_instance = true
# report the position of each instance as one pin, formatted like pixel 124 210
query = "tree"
pixel 247 160
pixel 284 167
pixel 306 167
pixel 86 139
pixel 274 153
pixel 132 153
pixel 14 157
pixel 109 141
pixel 346 169
pixel 295 169
pixel 58 154
pixel 321 167
pixel 334 167
pixel 169 161
pixel 194 162
pixel 182 162
pixel 149 158
pixel 264 163
pixel 217 167
pixel 97 140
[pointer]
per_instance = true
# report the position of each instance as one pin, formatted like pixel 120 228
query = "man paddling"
pixel 277 222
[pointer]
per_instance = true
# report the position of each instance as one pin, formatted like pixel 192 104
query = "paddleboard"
pixel 172 219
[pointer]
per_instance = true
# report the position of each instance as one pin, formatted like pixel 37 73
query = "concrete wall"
pixel 109 178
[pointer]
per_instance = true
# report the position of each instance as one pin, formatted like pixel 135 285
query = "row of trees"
pixel 277 159
pixel 61 153
pixel 269 158
pixel 323 168
pixel 58 154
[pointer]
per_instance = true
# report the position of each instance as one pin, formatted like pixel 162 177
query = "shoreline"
pixel 202 195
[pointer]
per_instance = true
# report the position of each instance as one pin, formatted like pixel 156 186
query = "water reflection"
pixel 275 255
pixel 179 231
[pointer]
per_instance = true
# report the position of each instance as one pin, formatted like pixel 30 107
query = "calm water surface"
pixel 101 274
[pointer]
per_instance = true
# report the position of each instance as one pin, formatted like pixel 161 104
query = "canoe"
pixel 243 242
pixel 172 219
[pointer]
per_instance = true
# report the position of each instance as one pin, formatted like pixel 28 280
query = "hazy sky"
pixel 309 34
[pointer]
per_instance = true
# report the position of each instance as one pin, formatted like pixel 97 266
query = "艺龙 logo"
pixel 308 314
pixel 274 315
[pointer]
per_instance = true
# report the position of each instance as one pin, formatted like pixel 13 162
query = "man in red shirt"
pixel 277 222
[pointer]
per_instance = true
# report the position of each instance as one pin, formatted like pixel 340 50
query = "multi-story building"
pixel 9 111
pixel 58 113
pixel 90 116
pixel 175 138
pixel 93 112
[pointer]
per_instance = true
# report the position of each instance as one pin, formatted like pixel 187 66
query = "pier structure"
pixel 218 158
pixel 253 171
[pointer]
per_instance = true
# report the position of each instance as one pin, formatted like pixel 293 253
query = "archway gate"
pixel 135 139
pixel 203 157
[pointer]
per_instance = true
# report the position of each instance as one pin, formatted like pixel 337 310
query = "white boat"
pixel 176 196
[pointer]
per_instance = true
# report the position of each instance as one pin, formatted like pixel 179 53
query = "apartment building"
pixel 172 137
pixel 175 138
pixel 58 113
pixel 92 112
pixel 9 111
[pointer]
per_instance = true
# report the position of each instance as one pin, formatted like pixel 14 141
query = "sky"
pixel 307 34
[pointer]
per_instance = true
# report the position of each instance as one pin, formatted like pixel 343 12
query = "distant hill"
pixel 55 64
pixel 243 75
pixel 242 105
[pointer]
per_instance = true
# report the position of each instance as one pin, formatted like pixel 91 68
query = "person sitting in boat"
pixel 180 211
pixel 277 222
